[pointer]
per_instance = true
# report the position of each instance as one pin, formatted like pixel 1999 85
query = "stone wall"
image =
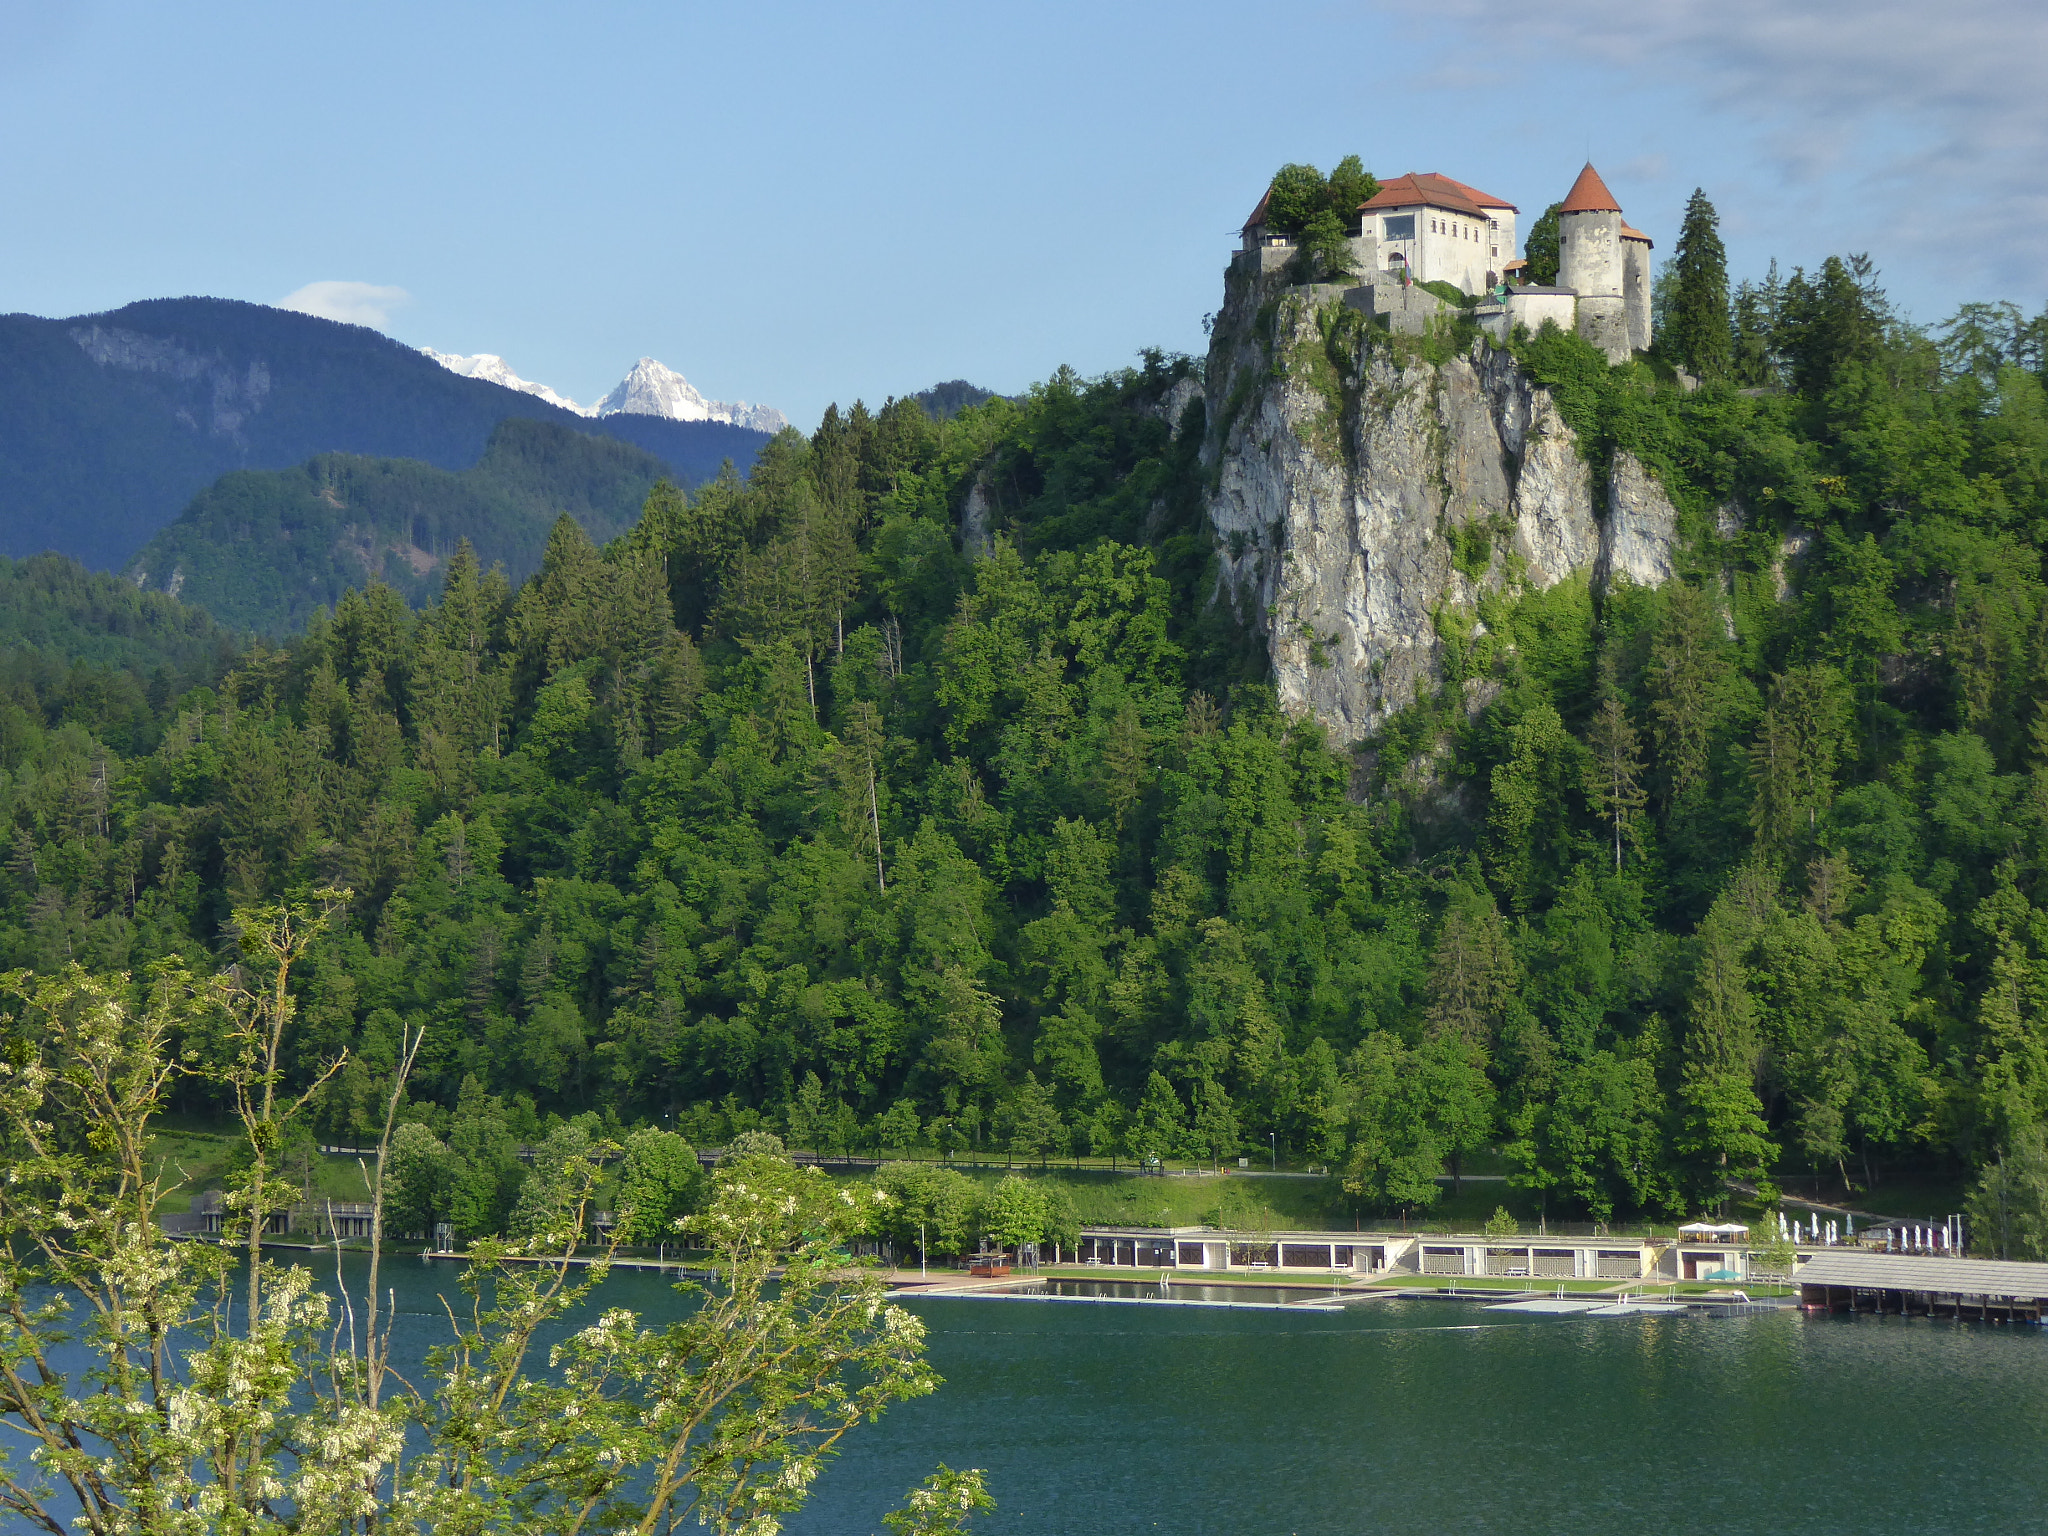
pixel 1636 285
pixel 1405 308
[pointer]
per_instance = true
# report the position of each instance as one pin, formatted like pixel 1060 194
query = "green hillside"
pixel 264 549
pixel 77 644
pixel 777 812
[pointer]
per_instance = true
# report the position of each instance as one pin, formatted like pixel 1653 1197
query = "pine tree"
pixel 1831 321
pixel 1793 754
pixel 1699 337
pixel 1754 321
pixel 1686 672
pixel 1472 970
pixel 1614 770
pixel 1722 1131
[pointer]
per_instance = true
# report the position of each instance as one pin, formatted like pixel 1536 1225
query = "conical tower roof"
pixel 1589 194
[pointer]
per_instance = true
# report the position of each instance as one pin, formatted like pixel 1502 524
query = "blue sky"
pixel 797 203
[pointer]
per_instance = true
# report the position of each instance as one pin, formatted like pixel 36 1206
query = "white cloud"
pixel 1936 118
pixel 351 303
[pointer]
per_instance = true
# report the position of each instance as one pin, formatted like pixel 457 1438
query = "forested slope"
pixel 777 810
pixel 264 549
pixel 79 645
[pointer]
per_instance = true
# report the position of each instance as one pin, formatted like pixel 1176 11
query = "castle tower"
pixel 1635 285
pixel 1592 263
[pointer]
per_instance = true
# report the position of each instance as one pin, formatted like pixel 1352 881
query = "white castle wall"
pixel 1446 247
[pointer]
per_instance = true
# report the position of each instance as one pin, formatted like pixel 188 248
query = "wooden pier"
pixel 1898 1285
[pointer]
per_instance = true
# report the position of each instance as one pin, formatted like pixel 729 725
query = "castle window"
pixel 1402 228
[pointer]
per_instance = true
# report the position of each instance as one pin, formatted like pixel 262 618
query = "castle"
pixel 1426 227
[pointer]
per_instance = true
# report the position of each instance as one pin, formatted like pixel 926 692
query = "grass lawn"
pixel 188 1161
pixel 1102 1198
pixel 192 1159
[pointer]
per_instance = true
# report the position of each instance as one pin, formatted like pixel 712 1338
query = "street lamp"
pixel 1273 1139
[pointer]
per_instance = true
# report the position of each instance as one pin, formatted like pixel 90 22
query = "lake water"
pixel 1438 1416
pixel 1431 1416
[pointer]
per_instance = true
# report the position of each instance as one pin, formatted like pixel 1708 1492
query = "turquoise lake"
pixel 1439 1416
pixel 1432 1416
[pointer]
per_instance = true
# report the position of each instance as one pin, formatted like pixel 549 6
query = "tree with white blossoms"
pixel 187 1388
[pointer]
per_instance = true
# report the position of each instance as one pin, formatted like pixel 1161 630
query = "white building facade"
pixel 1437 230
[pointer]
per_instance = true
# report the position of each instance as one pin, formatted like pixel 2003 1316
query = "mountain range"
pixel 110 424
pixel 651 388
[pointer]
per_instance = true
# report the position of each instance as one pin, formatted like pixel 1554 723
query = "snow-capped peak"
pixel 493 369
pixel 653 389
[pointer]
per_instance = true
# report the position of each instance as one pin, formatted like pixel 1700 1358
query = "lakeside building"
pixel 1830 1277
pixel 1532 1256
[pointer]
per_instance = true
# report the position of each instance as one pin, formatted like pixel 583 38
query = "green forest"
pixel 264 549
pixel 778 813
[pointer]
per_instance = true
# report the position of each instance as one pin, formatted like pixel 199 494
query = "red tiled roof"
pixel 1430 190
pixel 1483 199
pixel 1636 234
pixel 1259 213
pixel 1589 194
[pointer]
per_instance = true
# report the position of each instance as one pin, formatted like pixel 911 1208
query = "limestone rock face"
pixel 237 394
pixel 1642 525
pixel 976 517
pixel 1359 492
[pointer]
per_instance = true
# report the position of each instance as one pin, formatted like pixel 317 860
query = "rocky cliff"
pixel 1361 486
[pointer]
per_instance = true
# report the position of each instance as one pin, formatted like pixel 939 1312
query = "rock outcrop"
pixel 1359 492
pixel 237 393
pixel 1641 530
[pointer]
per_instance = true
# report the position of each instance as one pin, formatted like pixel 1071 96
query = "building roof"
pixel 1904 1272
pixel 1636 234
pixel 1589 194
pixel 1483 199
pixel 1429 189
pixel 1259 213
